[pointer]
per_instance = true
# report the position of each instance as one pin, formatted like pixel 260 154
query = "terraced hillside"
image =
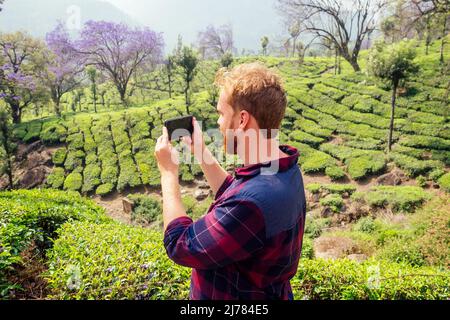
pixel 339 123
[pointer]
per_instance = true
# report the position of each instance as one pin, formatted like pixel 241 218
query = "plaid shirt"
pixel 249 243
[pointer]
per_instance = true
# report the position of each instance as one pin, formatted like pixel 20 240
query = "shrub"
pixel 91 177
pixel 335 172
pixel 366 225
pixel 147 209
pixel 398 198
pixel 104 189
pixel 56 179
pixel 74 160
pixel 435 174
pixel 333 201
pixel 444 182
pixel 421 181
pixel 314 188
pixel 315 226
pixel 73 182
pixel 34 216
pixel 59 156
pixel 307 248
pixel 33 131
pixel 401 251
pixel 53 133
pixel 362 166
pixel 339 188
pixel 75 141
pixel 113 261
pixel 344 279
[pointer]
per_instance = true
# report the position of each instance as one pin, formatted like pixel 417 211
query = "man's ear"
pixel 244 119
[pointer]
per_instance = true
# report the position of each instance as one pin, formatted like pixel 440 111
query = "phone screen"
pixel 179 127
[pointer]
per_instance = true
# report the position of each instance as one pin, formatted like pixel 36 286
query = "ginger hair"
pixel 256 89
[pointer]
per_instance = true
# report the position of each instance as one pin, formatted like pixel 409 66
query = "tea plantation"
pixel 340 125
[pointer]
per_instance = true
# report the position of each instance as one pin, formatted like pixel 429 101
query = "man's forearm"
pixel 214 173
pixel 172 205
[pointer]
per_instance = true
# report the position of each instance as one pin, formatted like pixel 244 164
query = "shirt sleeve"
pixel 228 180
pixel 231 232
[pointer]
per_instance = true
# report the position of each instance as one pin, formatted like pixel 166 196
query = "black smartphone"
pixel 179 127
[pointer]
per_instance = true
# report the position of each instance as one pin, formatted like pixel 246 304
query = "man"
pixel 249 243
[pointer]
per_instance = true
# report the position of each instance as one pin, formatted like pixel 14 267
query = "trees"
pixel 1 3
pixel 6 147
pixel 187 60
pixel 215 42
pixel 65 65
pixel 345 27
pixel 294 32
pixel 22 58
pixel 120 51
pixel 264 44
pixel 92 75
pixel 393 63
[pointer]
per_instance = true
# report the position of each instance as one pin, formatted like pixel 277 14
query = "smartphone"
pixel 179 127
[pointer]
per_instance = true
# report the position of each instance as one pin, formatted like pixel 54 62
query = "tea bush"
pixel 113 261
pixel 398 198
pixel 345 279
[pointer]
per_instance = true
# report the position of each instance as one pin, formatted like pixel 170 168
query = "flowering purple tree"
pixel 214 42
pixel 20 62
pixel 120 51
pixel 65 65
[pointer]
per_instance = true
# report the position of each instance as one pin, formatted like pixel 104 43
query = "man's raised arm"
pixel 214 173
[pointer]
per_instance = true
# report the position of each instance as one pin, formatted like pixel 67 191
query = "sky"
pixel 251 19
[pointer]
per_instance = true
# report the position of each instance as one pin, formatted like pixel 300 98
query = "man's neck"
pixel 258 154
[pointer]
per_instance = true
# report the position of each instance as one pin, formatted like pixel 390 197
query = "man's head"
pixel 252 97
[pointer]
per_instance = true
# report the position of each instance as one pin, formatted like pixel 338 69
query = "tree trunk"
pixel 391 126
pixel 16 112
pixel 57 103
pixel 441 60
pixel 354 64
pixel 122 93
pixel 8 151
pixel 186 96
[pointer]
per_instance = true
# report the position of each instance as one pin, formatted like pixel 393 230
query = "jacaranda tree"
pixel 119 51
pixel 21 58
pixel 65 65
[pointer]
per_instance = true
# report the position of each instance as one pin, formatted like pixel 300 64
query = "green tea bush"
pixel 435 174
pixel 444 182
pixel 74 160
pixel 73 182
pixel 59 156
pixel 113 261
pixel 333 201
pixel 146 209
pixel 401 251
pixel 366 225
pixel 91 177
pixel 345 279
pixel 307 138
pixel 53 133
pixel 33 132
pixel 361 167
pixel 398 198
pixel 75 141
pixel 314 226
pixel 56 178
pixel 104 189
pixel 307 248
pixel 35 216
pixel 335 172
pixel 412 166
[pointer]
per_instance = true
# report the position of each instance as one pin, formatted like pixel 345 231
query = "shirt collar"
pixel 283 163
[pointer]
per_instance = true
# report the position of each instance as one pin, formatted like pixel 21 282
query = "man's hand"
pixel 196 144
pixel 166 155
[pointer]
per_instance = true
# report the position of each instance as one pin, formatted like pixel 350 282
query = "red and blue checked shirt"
pixel 248 245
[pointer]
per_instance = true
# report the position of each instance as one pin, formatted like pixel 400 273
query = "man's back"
pixel 249 244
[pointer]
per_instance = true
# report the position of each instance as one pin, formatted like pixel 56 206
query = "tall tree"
pixel 187 60
pixel 294 32
pixel 92 75
pixel 346 27
pixel 214 42
pixel 65 65
pixel 7 147
pixel 120 51
pixel 393 63
pixel 23 59
pixel 264 44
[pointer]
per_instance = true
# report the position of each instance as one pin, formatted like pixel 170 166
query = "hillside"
pixel 377 222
